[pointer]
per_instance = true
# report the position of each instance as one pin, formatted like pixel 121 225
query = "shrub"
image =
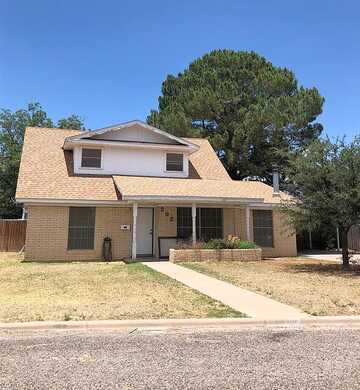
pixel 216 243
pixel 228 244
pixel 188 244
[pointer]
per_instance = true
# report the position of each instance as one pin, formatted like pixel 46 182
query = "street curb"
pixel 168 324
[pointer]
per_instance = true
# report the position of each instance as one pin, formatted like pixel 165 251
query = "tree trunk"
pixel 345 248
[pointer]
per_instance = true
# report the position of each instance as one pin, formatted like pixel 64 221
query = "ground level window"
pixel 263 228
pixel 184 223
pixel 81 228
pixel 209 223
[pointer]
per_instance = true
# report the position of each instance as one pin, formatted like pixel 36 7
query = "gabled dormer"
pixel 132 148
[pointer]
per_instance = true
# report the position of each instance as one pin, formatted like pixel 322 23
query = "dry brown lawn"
pixel 316 287
pixel 89 291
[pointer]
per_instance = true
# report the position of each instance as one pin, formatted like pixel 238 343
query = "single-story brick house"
pixel 143 188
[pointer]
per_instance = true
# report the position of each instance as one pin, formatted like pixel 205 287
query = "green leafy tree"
pixel 12 127
pixel 72 122
pixel 326 185
pixel 254 114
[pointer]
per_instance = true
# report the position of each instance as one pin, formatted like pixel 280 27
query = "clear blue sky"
pixel 105 60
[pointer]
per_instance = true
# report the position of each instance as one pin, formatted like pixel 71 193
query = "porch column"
pixel 247 222
pixel 135 210
pixel 193 216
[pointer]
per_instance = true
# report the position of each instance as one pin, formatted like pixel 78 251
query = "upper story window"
pixel 91 158
pixel 174 162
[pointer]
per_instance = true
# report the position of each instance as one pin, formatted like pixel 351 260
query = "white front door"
pixel 144 231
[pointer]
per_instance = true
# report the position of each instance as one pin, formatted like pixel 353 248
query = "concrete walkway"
pixel 328 256
pixel 244 301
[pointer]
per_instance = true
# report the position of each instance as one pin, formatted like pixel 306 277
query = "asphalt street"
pixel 201 359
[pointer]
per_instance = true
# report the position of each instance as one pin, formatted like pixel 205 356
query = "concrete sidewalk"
pixel 244 301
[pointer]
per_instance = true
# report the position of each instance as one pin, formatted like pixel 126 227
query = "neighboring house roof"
pixel 46 173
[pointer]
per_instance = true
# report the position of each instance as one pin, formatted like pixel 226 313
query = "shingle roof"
pixel 134 186
pixel 206 162
pixel 46 172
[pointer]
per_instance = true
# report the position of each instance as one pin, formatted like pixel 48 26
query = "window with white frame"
pixel 174 162
pixel 263 228
pixel 90 158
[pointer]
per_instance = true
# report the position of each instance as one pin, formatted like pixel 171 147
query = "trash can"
pixel 107 253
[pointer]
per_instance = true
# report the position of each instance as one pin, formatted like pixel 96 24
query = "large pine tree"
pixel 254 114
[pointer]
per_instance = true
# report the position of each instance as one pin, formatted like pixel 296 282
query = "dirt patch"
pixel 96 290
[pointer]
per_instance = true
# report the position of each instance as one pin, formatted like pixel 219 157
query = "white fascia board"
pixel 69 144
pixel 133 123
pixel 251 202
pixel 253 205
pixel 205 199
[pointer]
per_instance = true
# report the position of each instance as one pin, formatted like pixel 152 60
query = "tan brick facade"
pixel 47 234
pixel 284 237
pixel 234 223
pixel 165 224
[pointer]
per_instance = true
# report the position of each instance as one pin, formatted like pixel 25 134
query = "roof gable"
pixel 134 131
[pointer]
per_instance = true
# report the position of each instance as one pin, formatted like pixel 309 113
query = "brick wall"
pixel 165 224
pixel 178 255
pixel 234 223
pixel 284 237
pixel 47 234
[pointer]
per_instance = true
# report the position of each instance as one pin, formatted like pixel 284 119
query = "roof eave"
pixel 191 199
pixel 39 201
pixel 71 143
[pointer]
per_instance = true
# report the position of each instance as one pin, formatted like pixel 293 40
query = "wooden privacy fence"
pixel 354 238
pixel 12 234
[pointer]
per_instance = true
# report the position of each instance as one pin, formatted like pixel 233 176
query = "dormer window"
pixel 174 162
pixel 91 158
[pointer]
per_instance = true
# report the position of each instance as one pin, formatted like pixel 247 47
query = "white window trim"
pixel 165 162
pixel 101 160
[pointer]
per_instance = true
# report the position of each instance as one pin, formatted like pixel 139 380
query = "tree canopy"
pixel 254 114
pixel 12 127
pixel 326 182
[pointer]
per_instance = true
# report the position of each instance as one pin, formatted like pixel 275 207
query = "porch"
pixel 158 228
